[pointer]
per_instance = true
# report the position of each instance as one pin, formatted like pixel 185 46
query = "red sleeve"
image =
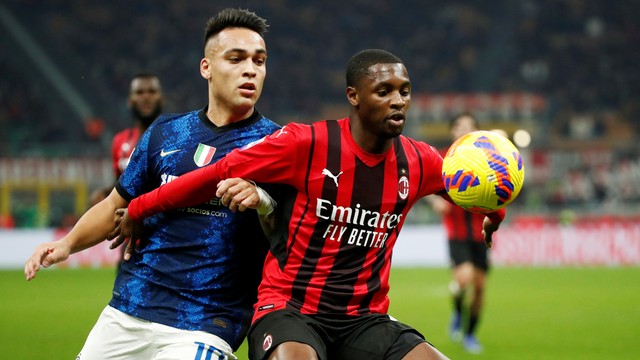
pixel 432 169
pixel 496 217
pixel 270 160
pixel 115 147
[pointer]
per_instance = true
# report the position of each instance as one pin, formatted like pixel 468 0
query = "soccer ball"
pixel 483 171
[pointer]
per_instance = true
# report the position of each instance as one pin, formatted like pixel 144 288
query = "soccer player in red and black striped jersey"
pixel 145 103
pixel 468 254
pixel 352 181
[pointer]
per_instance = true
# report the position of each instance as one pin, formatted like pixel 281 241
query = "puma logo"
pixel 329 174
pixel 281 132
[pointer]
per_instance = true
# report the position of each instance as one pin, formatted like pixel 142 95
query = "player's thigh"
pixel 379 337
pixel 292 350
pixel 424 351
pixel 480 257
pixel 283 327
pixel 459 252
pixel 117 336
pixel 178 344
pixel 464 273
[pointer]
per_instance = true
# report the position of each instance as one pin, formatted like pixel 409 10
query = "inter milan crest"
pixel 204 154
pixel 403 187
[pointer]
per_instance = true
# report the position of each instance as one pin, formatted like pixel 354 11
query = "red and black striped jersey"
pixel 463 225
pixel 344 217
pixel 121 148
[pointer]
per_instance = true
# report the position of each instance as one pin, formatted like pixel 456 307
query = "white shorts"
pixel 117 335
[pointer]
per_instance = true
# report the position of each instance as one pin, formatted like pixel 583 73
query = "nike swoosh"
pixel 163 153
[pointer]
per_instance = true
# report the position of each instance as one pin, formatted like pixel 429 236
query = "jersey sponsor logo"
pixel 166 178
pixel 356 226
pixel 329 174
pixel 165 153
pixel 205 212
pixel 403 187
pixel 204 154
pixel 268 341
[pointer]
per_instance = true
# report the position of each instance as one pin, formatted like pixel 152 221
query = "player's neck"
pixel 221 116
pixel 140 126
pixel 367 141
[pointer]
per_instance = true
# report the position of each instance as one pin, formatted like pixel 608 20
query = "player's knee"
pixel 424 351
pixel 292 350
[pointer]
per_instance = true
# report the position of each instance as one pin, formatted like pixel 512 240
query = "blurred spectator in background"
pixel 579 56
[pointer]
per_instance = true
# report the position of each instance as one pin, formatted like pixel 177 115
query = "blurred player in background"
pixel 188 292
pixel 145 103
pixel 468 255
pixel 324 289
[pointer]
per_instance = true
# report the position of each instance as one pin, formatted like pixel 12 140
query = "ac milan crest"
pixel 268 341
pixel 403 187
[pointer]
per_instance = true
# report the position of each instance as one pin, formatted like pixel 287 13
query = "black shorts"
pixel 476 252
pixel 374 336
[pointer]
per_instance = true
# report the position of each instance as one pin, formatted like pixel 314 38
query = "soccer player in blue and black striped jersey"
pixel 188 292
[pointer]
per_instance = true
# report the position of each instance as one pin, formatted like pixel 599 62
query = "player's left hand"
pixel 126 229
pixel 488 228
pixel 238 194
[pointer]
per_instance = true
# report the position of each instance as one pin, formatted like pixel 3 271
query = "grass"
pixel 530 313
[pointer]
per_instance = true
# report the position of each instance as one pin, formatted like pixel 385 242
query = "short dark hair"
pixel 230 18
pixel 144 75
pixel 359 64
pixel 453 120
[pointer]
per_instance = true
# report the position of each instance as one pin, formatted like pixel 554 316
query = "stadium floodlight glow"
pixel 522 138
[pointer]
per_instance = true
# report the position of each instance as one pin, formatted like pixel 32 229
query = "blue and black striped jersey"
pixel 199 266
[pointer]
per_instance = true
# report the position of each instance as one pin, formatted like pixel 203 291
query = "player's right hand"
pixel 45 255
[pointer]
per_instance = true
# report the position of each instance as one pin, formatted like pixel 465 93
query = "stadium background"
pixel 564 71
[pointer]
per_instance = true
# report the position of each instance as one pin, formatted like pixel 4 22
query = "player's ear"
pixel 352 96
pixel 205 70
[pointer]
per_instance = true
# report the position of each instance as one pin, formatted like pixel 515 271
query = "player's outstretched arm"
pixel 92 228
pixel 189 189
pixel 489 226
pixel 269 160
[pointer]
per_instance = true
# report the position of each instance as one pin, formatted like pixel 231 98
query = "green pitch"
pixel 585 313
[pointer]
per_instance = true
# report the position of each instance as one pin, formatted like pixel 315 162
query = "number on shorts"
pixel 208 351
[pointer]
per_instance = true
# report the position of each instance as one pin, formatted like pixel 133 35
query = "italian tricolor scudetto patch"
pixel 204 154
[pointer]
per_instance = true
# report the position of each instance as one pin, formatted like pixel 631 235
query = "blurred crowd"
pixel 581 55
